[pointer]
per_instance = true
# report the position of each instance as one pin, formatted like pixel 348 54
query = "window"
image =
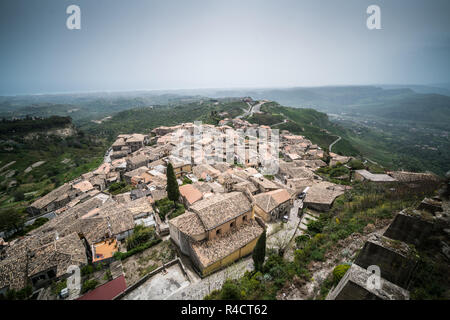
pixel 244 218
pixel 218 231
pixel 232 225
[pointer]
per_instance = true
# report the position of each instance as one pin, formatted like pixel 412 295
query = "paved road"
pixel 251 110
pixel 332 144
pixel 276 124
pixel 367 159
pixel 246 112
pixel 256 108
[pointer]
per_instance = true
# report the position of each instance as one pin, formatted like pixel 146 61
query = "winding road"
pixel 332 144
pixel 251 110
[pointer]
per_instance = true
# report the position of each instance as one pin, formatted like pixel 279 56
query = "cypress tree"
pixel 173 193
pixel 259 252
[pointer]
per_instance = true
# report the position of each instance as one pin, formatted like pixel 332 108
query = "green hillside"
pixel 58 150
pixel 311 123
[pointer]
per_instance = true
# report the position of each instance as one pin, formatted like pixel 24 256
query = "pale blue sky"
pixel 167 44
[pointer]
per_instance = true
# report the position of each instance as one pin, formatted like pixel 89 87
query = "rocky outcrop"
pixel 353 286
pixel 412 228
pixel 394 253
pixel 395 259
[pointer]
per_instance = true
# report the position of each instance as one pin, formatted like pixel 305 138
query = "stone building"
pixel 321 196
pixel 273 205
pixel 217 231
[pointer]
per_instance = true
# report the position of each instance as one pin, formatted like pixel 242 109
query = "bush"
pixel 140 236
pixel 338 171
pixel 142 247
pixel 316 226
pixel 56 287
pixel 276 267
pixel 338 272
pixel 301 240
pixel 164 206
pixel 18 196
pixel 186 180
pixel 318 254
pixel 356 164
pixel 116 186
pixel 87 269
pixel 108 275
pixel 89 285
pixel 178 211
pixel 230 291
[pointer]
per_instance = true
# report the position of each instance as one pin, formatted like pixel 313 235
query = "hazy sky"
pixel 167 44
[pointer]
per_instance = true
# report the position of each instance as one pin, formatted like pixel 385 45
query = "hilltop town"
pixel 226 203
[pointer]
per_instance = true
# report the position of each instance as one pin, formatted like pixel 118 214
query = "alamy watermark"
pixel 73 21
pixel 374 279
pixel 374 20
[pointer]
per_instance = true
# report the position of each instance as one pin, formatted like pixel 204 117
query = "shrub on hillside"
pixel 338 272
pixel 356 164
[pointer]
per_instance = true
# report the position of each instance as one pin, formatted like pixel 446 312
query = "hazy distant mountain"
pixel 430 108
pixel 438 88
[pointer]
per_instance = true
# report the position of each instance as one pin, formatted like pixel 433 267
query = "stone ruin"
pixel 394 253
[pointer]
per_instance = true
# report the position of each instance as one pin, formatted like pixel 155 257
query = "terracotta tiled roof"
pixel 323 193
pixel 51 196
pixel 220 208
pixel 210 251
pixel 13 272
pixel 201 170
pixel 61 254
pixel 270 200
pixel 136 137
pixel 138 159
pixel 139 206
pixel 83 186
pixel 245 185
pixel 188 223
pixel 119 142
pixel 191 193
pixel 265 183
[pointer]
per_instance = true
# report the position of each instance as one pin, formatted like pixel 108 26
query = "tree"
pixel 173 193
pixel 18 196
pixel 11 219
pixel 259 252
